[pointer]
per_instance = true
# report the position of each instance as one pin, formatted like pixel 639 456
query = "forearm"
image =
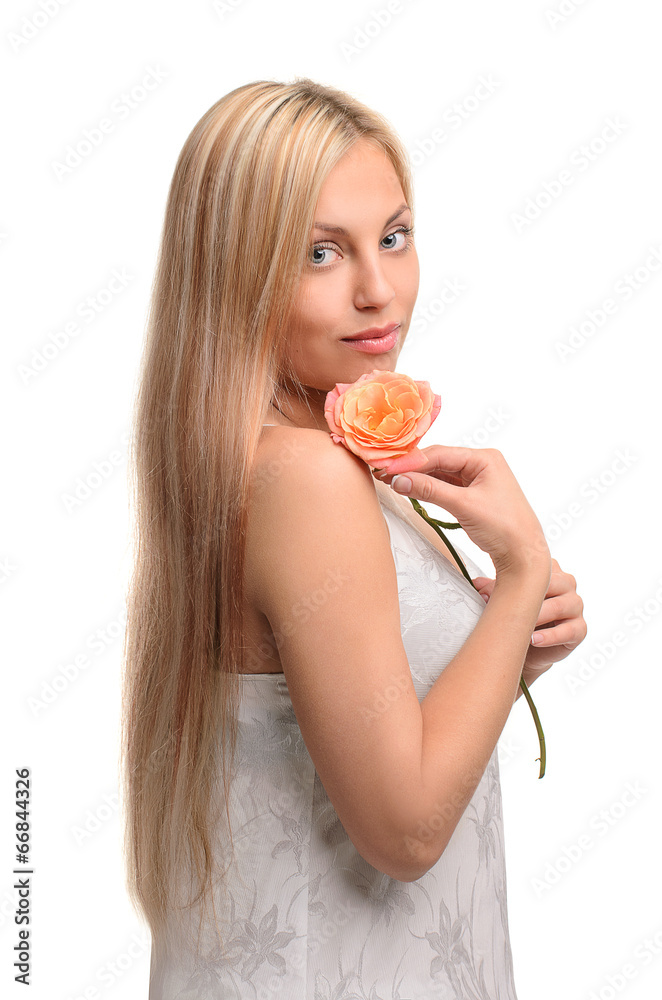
pixel 466 709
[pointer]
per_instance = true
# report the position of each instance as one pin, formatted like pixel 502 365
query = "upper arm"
pixel 326 582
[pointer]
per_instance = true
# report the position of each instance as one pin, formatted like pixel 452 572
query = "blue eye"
pixel 319 249
pixel 407 232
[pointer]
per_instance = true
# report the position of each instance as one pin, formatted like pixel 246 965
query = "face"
pixel 365 276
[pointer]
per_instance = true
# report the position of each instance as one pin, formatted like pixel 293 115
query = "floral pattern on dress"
pixel 302 915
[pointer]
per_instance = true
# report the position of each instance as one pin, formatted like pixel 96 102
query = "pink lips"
pixel 378 344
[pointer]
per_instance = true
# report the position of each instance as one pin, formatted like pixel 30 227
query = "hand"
pixel 477 486
pixel 560 623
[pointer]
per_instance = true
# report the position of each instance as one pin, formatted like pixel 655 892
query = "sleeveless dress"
pixel 303 916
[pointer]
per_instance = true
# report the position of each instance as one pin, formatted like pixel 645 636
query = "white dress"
pixel 305 917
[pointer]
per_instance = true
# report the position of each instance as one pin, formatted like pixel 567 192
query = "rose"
pixel 381 418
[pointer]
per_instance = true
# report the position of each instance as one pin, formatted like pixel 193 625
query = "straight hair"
pixel 235 238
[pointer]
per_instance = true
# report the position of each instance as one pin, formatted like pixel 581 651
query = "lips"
pixel 373 332
pixel 375 344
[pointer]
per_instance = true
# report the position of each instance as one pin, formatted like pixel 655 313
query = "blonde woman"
pixel 313 690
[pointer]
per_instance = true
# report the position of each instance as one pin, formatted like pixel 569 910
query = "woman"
pixel 295 628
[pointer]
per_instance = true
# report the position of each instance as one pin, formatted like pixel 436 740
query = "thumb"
pixel 401 483
pixel 430 489
pixel 484 585
pixel 423 487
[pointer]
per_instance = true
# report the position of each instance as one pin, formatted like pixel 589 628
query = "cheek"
pixel 320 310
pixel 414 275
pixel 407 285
pixel 413 290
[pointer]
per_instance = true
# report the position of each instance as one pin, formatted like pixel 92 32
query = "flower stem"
pixel 437 525
pixel 541 736
pixel 444 524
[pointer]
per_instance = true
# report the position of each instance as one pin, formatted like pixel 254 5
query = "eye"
pixel 406 231
pixel 320 248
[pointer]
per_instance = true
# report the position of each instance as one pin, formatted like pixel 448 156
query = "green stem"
pixel 437 525
pixel 541 736
pixel 444 524
pixel 431 520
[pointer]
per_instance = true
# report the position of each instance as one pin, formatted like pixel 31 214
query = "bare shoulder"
pixel 290 457
pixel 305 490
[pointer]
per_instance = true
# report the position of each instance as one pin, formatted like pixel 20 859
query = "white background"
pixel 558 73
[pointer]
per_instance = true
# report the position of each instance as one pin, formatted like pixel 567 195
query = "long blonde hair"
pixel 235 236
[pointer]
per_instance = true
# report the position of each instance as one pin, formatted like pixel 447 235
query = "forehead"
pixel 362 188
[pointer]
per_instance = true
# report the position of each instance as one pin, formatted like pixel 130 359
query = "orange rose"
pixel 381 418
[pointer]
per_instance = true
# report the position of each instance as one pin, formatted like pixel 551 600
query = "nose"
pixel 372 287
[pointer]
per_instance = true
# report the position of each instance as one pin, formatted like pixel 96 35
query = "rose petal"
pixel 381 418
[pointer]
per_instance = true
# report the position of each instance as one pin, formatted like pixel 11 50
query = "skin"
pixel 370 277
pixel 560 625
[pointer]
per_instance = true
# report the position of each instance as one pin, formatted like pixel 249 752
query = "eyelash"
pixel 407 230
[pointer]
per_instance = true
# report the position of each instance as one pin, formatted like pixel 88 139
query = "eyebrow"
pixel 343 232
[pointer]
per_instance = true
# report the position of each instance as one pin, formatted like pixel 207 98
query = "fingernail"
pixel 404 486
pixel 536 638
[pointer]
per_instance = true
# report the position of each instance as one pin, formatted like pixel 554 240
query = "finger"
pixel 433 490
pixel 560 582
pixel 454 465
pixel 463 462
pixel 560 608
pixel 565 634
pixel 388 476
pixel 484 585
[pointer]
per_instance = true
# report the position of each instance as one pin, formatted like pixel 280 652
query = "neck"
pixel 296 411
